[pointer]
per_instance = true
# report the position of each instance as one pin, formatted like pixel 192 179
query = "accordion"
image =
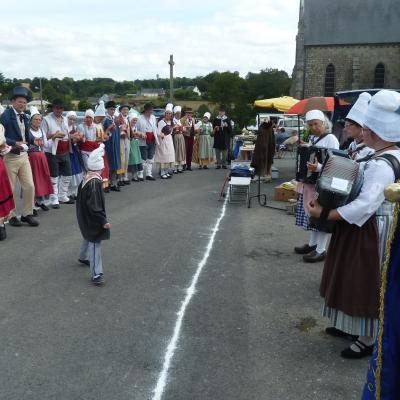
pixel 167 130
pixel 339 183
pixel 306 154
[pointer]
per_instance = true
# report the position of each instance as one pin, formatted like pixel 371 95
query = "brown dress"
pixel 264 150
pixel 351 278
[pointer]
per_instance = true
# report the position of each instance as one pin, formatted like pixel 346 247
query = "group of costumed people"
pixel 361 276
pixel 48 155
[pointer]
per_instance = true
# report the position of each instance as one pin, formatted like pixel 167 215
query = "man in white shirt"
pixel 55 127
pixel 147 129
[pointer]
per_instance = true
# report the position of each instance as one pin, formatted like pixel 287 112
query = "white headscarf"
pixel 357 112
pixel 383 115
pixel 100 110
pixel 95 161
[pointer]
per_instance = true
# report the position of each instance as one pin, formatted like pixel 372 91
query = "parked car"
pixel 158 112
pixel 290 125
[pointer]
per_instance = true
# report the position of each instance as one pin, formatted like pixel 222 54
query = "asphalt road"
pixel 251 331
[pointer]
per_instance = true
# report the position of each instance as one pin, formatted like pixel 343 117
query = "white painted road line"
pixel 190 291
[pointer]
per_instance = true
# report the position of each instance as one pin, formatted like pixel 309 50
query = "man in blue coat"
pixel 18 136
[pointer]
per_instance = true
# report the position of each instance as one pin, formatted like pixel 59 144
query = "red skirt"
pixel 41 174
pixel 6 195
pixel 106 171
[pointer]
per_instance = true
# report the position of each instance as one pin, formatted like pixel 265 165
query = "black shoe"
pixel 115 188
pixel 55 206
pixel 127 182
pixel 14 221
pixel 35 213
pixel 150 178
pixel 86 262
pixel 224 167
pixel 205 167
pixel 69 201
pixel 314 256
pixel 44 207
pixel 332 331
pixel 365 351
pixel 120 183
pixel 141 179
pixel 180 171
pixel 107 189
pixel 304 249
pixel 98 280
pixel 218 167
pixel 29 220
pixel 3 233
pixel 189 169
pixel 135 179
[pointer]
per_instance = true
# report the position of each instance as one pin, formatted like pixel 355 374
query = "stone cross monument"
pixel 171 78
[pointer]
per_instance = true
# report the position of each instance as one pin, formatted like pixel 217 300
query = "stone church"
pixel 345 45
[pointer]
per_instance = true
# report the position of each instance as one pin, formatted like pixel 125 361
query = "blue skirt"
pixel 76 160
pixel 302 218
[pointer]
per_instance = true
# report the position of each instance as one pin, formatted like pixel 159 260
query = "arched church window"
pixel 330 80
pixel 379 77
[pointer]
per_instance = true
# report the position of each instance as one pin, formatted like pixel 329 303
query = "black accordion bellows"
pixel 306 154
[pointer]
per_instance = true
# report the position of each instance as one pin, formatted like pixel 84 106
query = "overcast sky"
pixel 133 39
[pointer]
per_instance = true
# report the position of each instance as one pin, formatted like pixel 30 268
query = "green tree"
pixel 268 83
pixel 203 108
pixel 83 105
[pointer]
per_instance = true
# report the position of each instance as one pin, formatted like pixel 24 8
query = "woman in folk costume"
pixel 204 131
pixel 112 145
pixel 75 154
pixel 6 194
pixel 122 122
pixel 99 116
pixel 315 249
pixel 135 157
pixel 38 161
pixel 165 152
pixel 264 151
pixel 351 276
pixel 91 214
pixel 179 141
pixel 353 127
pixel 90 140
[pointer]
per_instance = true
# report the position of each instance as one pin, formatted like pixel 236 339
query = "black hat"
pixel 222 107
pixel 110 104
pixel 188 110
pixel 57 103
pixel 20 91
pixel 148 106
pixel 123 106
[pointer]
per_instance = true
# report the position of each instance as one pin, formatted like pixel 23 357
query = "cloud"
pixel 135 39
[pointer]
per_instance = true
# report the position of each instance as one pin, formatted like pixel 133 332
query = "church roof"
pixel 338 22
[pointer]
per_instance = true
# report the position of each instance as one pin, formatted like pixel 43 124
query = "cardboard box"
pixel 282 194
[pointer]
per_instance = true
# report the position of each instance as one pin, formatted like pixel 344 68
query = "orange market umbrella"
pixel 313 103
pixel 279 103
